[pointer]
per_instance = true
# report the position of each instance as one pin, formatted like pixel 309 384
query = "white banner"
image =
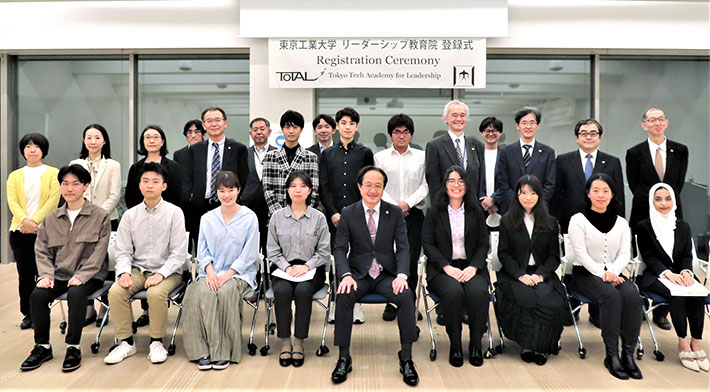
pixel 377 63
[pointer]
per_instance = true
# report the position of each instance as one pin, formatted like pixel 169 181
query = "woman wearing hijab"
pixel 666 248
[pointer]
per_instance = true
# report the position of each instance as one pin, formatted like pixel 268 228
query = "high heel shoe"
pixel 687 359
pixel 703 364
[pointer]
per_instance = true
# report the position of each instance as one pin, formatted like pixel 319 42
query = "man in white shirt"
pixel 150 254
pixel 491 129
pixel 406 188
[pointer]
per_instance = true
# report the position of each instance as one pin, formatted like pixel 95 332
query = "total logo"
pixel 293 76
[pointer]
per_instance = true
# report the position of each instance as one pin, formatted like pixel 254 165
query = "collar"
pixel 376 208
pixel 221 142
pixel 62 211
pixel 290 214
pixel 454 137
pixel 322 147
pixel 408 151
pixel 287 148
pixel 157 206
pixel 654 146
pixel 532 143
pixel 457 210
pixel 584 154
pixel 350 145
pixel 263 149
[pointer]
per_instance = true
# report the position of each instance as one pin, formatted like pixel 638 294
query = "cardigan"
pixel 600 252
pixel 105 188
pixel 16 200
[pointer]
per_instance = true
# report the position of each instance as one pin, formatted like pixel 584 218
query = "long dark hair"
pixel 516 213
pixel 614 205
pixel 105 150
pixel 444 195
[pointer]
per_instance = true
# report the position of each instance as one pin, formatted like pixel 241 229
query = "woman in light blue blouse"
pixel 227 253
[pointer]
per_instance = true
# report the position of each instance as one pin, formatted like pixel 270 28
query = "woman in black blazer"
pixel 455 240
pixel 665 246
pixel 530 300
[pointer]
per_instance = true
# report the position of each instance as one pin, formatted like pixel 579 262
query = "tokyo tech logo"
pixel 293 76
pixel 464 75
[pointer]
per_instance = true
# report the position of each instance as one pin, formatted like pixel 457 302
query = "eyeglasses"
pixel 152 137
pixel 656 120
pixel 490 130
pixel 377 187
pixel 213 120
pixel 406 132
pixel 589 134
pixel 453 182
pixel 526 123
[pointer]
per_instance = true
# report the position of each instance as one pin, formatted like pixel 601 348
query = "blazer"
pixel 276 171
pixel 181 156
pixel 441 155
pixel 569 197
pixel 105 189
pixel 436 239
pixel 17 201
pixel 656 259
pixel 642 175
pixel 172 194
pixel 315 148
pixel 510 168
pixel 353 236
pixel 515 246
pixel 235 159
pixel 253 195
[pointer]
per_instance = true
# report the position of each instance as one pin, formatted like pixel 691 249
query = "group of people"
pixel 296 206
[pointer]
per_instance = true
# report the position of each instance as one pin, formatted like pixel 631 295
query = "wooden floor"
pixel 374 349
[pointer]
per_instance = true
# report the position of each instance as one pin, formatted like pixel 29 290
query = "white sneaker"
pixel 158 353
pixel 121 352
pixel 358 316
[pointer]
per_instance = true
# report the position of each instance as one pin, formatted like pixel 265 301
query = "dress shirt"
pixel 376 217
pixel 600 252
pixel 292 238
pixel 491 157
pixel 653 147
pixel 338 175
pixel 522 149
pixel 322 147
pixel 231 245
pixel 457 222
pixel 210 154
pixel 259 154
pixel 405 176
pixel 152 239
pixel 529 221
pixel 462 142
pixel 583 156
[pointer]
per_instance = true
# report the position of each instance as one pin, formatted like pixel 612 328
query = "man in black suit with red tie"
pixel 655 160
pixel 366 262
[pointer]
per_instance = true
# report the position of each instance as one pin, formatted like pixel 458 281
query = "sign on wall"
pixel 377 63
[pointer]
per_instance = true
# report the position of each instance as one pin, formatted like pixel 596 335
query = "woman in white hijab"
pixel 665 246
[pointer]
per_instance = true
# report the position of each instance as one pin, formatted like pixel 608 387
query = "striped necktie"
pixel 526 156
pixel 216 168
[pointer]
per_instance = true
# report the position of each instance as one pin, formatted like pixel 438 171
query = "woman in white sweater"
pixel 601 242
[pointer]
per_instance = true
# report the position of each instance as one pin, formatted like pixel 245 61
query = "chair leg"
pixel 582 351
pixel 427 310
pixel 171 347
pixel 96 345
pixel 656 352
pixel 267 326
pixel 323 349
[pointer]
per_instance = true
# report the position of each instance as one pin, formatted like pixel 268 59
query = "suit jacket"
pixel 234 159
pixel 276 171
pixel 253 195
pixel 181 156
pixel 436 239
pixel 441 155
pixel 656 259
pixel 642 175
pixel 315 148
pixel 510 168
pixel 515 246
pixel 353 236
pixel 569 197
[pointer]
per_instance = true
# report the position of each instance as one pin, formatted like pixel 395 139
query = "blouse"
pixel 291 238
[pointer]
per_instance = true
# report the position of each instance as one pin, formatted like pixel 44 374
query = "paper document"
pixel 696 290
pixel 279 273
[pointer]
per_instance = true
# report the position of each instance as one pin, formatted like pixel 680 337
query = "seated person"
pixel 601 241
pixel 228 257
pixel 366 262
pixel 298 241
pixel 455 240
pixel 71 251
pixel 150 255
pixel 531 302
pixel 666 248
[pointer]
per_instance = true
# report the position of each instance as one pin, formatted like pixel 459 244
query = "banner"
pixel 377 63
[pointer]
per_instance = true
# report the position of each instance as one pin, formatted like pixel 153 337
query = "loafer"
pixel 72 360
pixel 37 357
pixel 475 356
pixel 285 360
pixel 342 368
pixel 527 356
pixel 613 364
pixel 390 313
pixel 220 365
pixel 540 358
pixel 142 320
pixel 662 322
pixel 409 373
pixel 456 358
pixel 629 364
pixel 204 363
pixel 26 323
pixel 297 358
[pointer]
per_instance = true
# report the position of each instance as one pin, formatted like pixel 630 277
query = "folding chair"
pixel 251 347
pixel 700 268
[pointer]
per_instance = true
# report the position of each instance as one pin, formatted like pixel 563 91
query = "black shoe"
pixel 456 358
pixel 595 321
pixel 409 373
pixel 527 356
pixel 26 323
pixel 390 313
pixel 204 363
pixel 629 364
pixel 662 322
pixel 613 363
pixel 540 358
pixel 342 368
pixel 142 320
pixel 475 356
pixel 38 356
pixel 297 362
pixel 72 360
pixel 220 365
pixel 285 360
pixel 440 319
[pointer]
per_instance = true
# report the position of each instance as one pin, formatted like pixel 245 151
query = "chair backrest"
pixel 112 251
pixel 566 261
pixel 700 266
pixel 636 266
pixel 492 258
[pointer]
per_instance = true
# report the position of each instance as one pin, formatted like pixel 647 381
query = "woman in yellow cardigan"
pixel 32 193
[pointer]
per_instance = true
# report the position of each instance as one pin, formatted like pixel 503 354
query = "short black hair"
pixel 38 140
pixel 82 174
pixel 400 120
pixel 227 179
pixel 105 150
pixel 491 121
pixel 349 112
pixel 268 124
pixel 154 167
pixel 368 168
pixel 141 142
pixel 198 126
pixel 292 118
pixel 528 110
pixel 614 203
pixel 306 180
pixel 212 109
pixel 587 122
pixel 329 120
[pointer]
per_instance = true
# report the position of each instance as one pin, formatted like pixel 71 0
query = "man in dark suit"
pixel 655 160
pixel 193 132
pixel 324 129
pixel 454 148
pixel 366 262
pixel 491 129
pixel 528 156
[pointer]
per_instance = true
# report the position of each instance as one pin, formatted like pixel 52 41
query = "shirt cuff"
pixel 663 273
pixel 403 276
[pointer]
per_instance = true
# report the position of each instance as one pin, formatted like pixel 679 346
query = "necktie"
pixel 459 152
pixel 216 167
pixel 588 168
pixel 526 156
pixel 659 164
pixel 374 270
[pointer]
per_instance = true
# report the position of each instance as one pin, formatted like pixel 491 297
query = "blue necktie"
pixel 588 168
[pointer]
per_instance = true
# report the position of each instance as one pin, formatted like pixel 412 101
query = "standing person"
pixel 456 244
pixel 665 243
pixel 71 251
pixel 655 160
pixel 366 261
pixel 406 188
pixel 528 156
pixel 227 254
pixel 299 242
pixel 193 132
pixel 600 241
pixel 324 129
pixel 491 129
pixel 32 193
pixel 454 148
pixel 531 302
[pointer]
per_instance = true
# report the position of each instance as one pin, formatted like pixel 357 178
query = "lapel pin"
pixel 387 212
pixel 539 150
pixel 229 147
pixel 670 149
pixel 603 161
